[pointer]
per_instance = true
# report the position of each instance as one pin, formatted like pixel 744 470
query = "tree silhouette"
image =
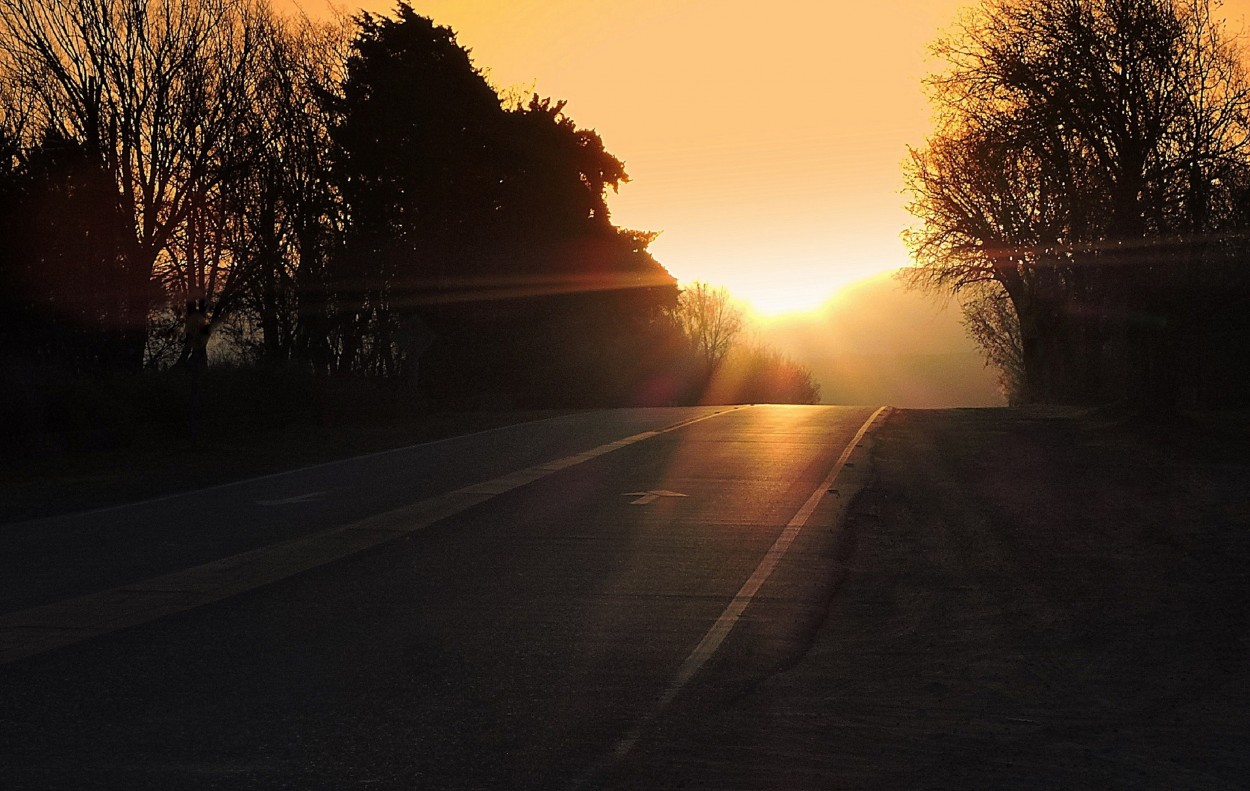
pixel 60 257
pixel 488 224
pixel 415 120
pixel 290 217
pixel 1088 161
pixel 156 89
pixel 710 322
pixel 345 200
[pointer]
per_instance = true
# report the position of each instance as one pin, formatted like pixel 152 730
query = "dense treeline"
pixel 1088 191
pixel 180 177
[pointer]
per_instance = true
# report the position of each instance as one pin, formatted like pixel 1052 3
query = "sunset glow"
pixel 769 301
pixel 763 141
pixel 764 144
pixel 804 289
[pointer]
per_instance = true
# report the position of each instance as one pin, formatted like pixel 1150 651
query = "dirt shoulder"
pixel 1027 599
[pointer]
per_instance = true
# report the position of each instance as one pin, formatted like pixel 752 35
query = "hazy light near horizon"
pixel 810 285
pixel 764 140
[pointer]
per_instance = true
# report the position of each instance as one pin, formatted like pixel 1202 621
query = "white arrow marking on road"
pixel 299 498
pixel 651 496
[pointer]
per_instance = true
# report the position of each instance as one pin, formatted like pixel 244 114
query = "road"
pixel 1026 599
pixel 506 610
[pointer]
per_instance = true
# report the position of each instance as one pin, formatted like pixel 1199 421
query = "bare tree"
pixel 159 87
pixel 709 320
pixel 286 208
pixel 992 323
pixel 1089 154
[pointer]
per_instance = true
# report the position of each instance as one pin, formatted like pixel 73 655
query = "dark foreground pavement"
pixel 506 610
pixel 1016 600
pixel 1024 600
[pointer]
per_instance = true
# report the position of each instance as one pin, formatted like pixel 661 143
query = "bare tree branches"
pixel 709 320
pixel 1089 158
pixel 160 89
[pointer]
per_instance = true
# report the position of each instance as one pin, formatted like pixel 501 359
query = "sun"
pixel 807 292
pixel 784 299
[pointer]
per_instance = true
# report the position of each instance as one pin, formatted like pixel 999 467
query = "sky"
pixel 764 141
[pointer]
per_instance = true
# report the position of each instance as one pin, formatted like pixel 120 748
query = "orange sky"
pixel 763 139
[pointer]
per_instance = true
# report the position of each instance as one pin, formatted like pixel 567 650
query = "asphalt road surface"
pixel 512 609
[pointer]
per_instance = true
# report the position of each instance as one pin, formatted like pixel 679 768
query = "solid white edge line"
pixel 723 625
